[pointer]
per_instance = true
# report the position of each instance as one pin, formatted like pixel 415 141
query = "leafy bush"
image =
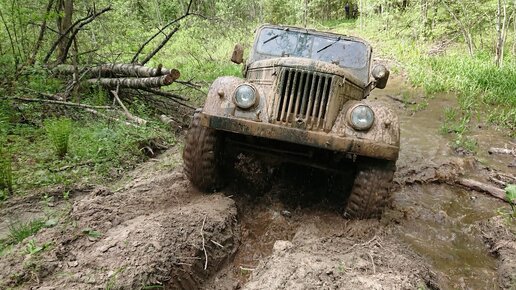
pixel 58 131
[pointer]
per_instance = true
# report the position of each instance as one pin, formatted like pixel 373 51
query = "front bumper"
pixel 361 147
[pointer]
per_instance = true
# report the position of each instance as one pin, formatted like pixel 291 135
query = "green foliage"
pixel 510 193
pixel 19 231
pixel 58 131
pixel 6 171
pixel 91 233
pixel 32 248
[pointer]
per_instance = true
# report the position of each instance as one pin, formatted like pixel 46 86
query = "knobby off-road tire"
pixel 202 156
pixel 371 194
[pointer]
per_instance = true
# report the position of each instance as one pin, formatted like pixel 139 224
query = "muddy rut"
pixel 152 230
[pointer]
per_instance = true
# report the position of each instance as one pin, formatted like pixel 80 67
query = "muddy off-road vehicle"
pixel 302 100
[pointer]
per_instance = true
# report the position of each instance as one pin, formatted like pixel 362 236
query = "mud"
pixel 274 228
pixel 155 231
pixel 499 233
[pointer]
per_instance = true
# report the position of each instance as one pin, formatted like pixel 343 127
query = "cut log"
pixel 494 150
pixel 482 187
pixel 123 69
pixel 135 83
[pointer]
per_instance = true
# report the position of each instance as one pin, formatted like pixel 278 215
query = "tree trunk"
pixel 41 35
pixel 64 7
pixel 111 70
pixel 134 83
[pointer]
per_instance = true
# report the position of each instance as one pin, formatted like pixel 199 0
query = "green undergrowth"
pixel 97 150
pixel 485 93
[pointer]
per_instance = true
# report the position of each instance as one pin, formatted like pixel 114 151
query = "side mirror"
pixel 381 75
pixel 238 54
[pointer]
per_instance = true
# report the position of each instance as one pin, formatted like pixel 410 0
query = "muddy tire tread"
pixel 201 156
pixel 370 194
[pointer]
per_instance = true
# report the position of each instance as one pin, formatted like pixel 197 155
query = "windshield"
pixel 281 42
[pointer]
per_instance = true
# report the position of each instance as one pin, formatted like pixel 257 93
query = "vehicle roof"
pixel 314 31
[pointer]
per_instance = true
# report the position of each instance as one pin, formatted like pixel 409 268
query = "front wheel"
pixel 202 156
pixel 371 194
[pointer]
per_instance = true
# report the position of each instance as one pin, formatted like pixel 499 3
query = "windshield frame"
pixel 360 73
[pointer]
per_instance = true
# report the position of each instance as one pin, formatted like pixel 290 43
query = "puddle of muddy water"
pixel 441 220
pixel 442 228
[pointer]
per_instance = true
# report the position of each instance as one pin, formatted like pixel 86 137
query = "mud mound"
pixel 356 257
pixel 499 234
pixel 155 232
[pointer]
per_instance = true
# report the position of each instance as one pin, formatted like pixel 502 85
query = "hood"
pixel 311 65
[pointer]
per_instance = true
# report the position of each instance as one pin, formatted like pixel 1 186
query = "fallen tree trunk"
pixel 134 83
pixel 111 69
pixel 494 150
pixel 482 187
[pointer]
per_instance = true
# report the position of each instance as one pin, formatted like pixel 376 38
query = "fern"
pixel 58 131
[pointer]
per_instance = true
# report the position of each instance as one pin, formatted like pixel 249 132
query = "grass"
pixel 485 93
pixel 20 231
pixel 97 151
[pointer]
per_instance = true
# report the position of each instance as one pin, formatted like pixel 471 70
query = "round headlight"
pixel 245 96
pixel 362 117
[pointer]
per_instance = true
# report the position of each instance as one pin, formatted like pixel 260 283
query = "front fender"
pixel 218 101
pixel 385 129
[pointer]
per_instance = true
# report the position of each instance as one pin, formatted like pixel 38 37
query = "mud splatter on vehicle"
pixel 302 100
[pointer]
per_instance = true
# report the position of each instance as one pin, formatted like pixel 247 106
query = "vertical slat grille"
pixel 302 98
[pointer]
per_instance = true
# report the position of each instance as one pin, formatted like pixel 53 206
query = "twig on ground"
pixel 217 244
pixel 494 150
pixel 87 162
pixel 109 118
pixel 203 244
pixel 372 262
pixel 401 100
pixel 247 269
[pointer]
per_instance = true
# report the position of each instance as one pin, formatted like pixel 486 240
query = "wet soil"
pixel 152 229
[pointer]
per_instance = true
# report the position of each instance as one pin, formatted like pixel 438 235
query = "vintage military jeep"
pixel 302 99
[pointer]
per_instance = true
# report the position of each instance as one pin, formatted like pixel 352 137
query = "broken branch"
pixel 79 27
pixel 482 187
pixel 130 116
pixel 187 13
pixel 70 104
pixel 159 47
pixel 203 244
pixel 494 150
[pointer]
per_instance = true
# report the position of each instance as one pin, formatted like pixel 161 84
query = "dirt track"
pixel 156 230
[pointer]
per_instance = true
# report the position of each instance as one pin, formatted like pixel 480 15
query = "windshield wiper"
pixel 338 39
pixel 275 36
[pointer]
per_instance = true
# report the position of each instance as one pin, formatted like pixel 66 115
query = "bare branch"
pixel 75 31
pixel 41 35
pixel 187 13
pixel 70 104
pixel 159 47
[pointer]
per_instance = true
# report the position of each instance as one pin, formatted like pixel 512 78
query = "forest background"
pixel 465 47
